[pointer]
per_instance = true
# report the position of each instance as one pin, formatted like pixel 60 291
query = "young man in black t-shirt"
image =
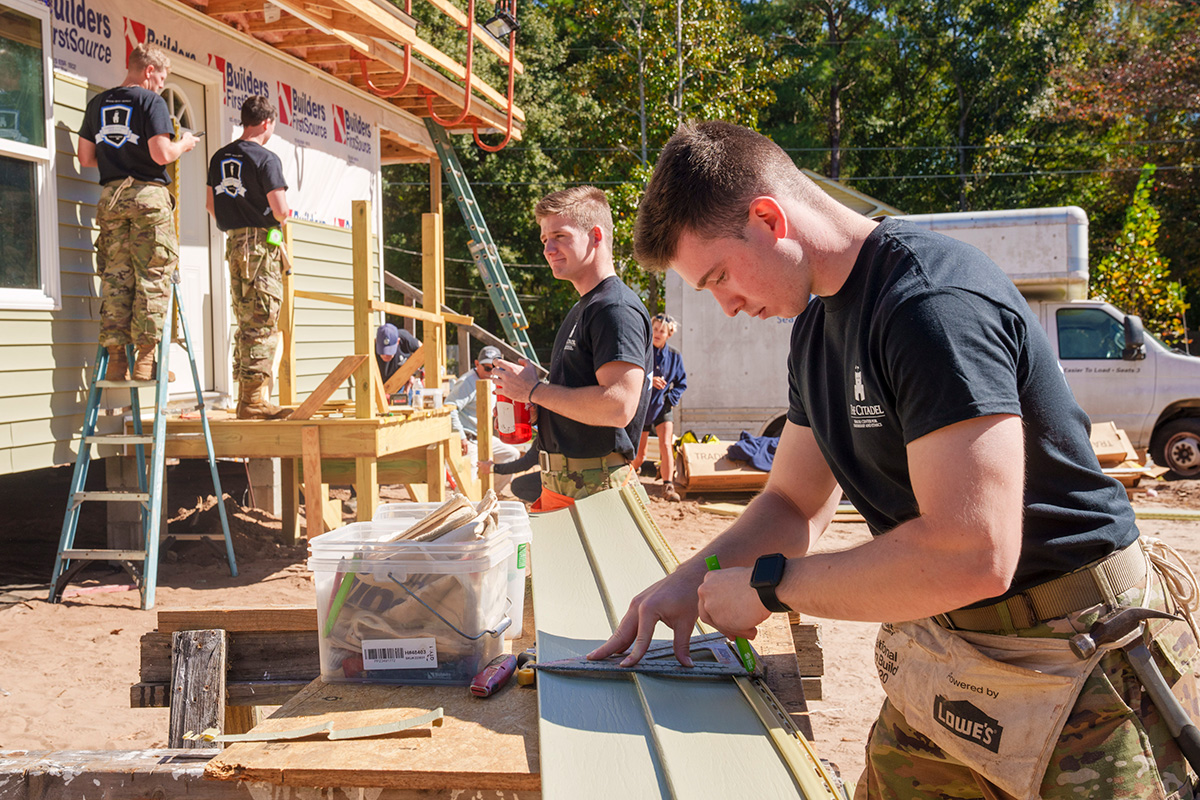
pixel 591 411
pixel 923 387
pixel 247 195
pixel 128 133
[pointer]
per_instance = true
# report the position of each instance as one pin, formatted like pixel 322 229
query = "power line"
pixel 469 261
pixel 956 176
pixel 887 148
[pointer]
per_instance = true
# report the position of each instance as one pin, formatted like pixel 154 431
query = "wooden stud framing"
pixel 434 277
pixel 314 495
pixel 364 394
pixel 485 401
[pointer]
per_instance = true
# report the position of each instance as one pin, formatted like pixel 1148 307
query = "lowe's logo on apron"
pixel 965 720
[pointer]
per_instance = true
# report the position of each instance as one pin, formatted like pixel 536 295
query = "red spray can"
pixel 513 420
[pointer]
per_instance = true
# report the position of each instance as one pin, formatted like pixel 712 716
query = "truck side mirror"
pixel 1135 339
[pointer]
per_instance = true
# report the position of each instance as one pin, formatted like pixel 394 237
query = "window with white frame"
pixel 28 227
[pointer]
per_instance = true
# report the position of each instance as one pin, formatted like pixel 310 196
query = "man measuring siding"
pixel 247 195
pixel 923 388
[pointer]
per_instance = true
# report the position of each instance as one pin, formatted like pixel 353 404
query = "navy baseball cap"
pixel 489 354
pixel 387 339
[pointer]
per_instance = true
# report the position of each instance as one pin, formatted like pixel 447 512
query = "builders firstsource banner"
pixel 328 142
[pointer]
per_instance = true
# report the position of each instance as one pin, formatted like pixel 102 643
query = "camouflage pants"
pixel 136 253
pixel 256 286
pixel 578 484
pixel 1115 743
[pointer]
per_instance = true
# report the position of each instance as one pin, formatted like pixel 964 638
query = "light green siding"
pixel 46 356
pixel 321 256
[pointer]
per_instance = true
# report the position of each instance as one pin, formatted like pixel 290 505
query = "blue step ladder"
pixel 71 560
pixel 482 246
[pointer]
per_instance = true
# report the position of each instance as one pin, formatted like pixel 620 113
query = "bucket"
pixel 409 612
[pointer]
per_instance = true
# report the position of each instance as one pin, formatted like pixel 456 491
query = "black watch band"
pixel 765 577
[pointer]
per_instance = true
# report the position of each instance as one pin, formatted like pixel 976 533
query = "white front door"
pixel 186 102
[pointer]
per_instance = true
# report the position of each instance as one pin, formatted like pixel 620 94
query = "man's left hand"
pixel 729 604
pixel 514 381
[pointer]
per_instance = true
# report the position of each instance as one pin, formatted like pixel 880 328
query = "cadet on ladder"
pixel 127 132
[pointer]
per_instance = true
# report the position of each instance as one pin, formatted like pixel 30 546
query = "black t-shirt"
pixel 242 174
pixel 609 323
pixel 121 122
pixel 927 332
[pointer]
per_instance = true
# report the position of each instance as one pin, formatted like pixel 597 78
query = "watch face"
pixel 768 571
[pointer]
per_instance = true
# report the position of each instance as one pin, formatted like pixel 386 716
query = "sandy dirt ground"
pixel 66 669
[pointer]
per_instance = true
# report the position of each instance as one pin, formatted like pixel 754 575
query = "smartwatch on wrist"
pixel 765 577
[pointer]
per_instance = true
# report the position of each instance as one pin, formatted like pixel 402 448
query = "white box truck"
pixel 737 368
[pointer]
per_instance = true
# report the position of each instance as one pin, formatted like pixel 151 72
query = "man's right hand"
pixel 673 601
pixel 188 141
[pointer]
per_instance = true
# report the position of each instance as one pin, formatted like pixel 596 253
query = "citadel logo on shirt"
pixel 231 178
pixel 114 130
pixel 863 414
pixel 570 344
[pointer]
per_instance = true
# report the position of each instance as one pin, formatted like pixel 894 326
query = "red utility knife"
pixel 493 677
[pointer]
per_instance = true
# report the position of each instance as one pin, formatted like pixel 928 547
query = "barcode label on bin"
pixel 400 653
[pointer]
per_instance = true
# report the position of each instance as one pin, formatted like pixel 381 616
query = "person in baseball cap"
pixel 487 355
pixel 393 346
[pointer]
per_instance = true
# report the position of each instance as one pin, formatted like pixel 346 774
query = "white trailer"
pixel 737 368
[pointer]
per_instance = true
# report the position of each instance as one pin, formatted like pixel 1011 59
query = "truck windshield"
pixel 1089 333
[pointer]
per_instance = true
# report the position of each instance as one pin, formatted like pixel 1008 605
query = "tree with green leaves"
pixel 653 64
pixel 1135 278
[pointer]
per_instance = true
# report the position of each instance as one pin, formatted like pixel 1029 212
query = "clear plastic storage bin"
pixel 512 513
pixel 409 612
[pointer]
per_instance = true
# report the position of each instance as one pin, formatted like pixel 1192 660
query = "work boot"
pixel 254 402
pixel 118 363
pixel 669 492
pixel 143 367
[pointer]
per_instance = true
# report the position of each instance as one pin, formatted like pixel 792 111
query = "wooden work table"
pixel 483 743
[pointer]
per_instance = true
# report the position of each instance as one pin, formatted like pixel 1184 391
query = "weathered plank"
pixel 157 694
pixel 277 618
pixel 252 656
pixel 197 685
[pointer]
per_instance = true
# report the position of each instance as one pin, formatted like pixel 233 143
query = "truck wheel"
pixel 1177 447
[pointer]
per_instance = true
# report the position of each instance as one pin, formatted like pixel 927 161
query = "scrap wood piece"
pixel 432 718
pixel 723 509
pixel 406 371
pixel 325 390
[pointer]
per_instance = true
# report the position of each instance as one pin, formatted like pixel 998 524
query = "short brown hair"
pixel 256 110
pixel 586 206
pixel 147 55
pixel 704 181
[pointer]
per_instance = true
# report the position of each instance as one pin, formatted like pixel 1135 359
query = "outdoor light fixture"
pixel 502 24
